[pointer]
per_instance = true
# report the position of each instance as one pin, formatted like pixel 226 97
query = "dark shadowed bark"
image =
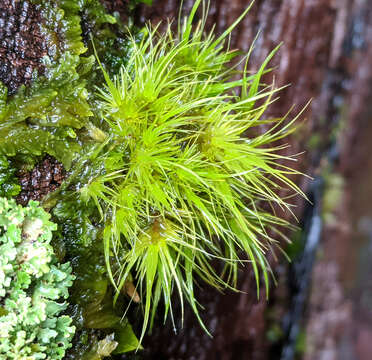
pixel 22 45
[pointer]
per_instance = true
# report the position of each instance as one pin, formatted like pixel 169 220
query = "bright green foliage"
pixel 32 286
pixel 184 176
pixel 180 179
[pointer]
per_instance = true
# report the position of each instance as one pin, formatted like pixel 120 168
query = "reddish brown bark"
pixel 22 44
pixel 340 316
pixel 44 178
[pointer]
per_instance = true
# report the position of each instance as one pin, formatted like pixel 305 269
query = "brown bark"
pixel 340 316
pixel 22 44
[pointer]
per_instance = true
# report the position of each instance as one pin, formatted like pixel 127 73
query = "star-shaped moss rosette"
pixel 181 177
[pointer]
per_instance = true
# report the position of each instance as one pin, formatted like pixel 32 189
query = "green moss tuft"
pixel 180 183
pixel 43 118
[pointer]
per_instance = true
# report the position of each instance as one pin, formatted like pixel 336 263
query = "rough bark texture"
pixel 22 44
pixel 44 178
pixel 326 56
pixel 340 325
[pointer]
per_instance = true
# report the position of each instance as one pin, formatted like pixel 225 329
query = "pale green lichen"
pixel 33 286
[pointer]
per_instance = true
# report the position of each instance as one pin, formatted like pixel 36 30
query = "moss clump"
pixel 33 286
pixel 169 170
pixel 44 117
pixel 51 115
pixel 178 181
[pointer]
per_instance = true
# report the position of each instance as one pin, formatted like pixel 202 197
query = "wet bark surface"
pixel 22 44
pixel 44 178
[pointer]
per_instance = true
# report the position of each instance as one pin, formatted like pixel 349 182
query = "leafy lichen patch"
pixel 33 286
